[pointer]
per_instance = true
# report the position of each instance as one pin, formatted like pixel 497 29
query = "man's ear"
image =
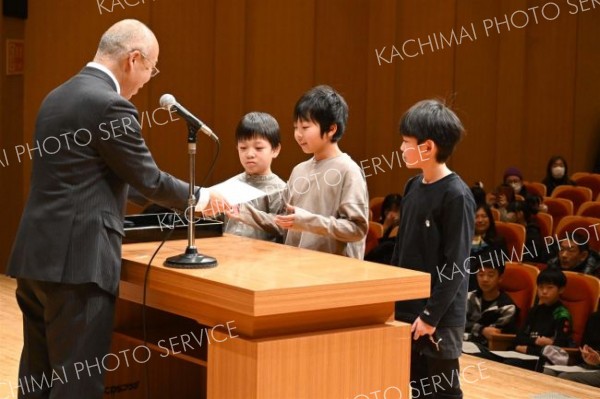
pixel 561 290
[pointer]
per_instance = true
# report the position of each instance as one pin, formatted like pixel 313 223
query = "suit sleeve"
pixel 124 150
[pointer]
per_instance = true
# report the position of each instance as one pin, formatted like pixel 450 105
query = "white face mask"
pixel 516 186
pixel 558 172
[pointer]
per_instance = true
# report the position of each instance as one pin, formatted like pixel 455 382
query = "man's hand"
pixel 543 341
pixel 217 204
pixel 419 328
pixel 590 356
pixel 489 331
pixel 521 348
pixel 286 221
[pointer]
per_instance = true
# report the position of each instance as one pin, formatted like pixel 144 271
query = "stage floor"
pixel 481 379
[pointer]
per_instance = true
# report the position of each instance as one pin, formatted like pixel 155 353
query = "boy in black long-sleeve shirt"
pixel 436 228
pixel 548 322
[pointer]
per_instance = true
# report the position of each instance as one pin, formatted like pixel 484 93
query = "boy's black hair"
pixel 499 269
pixel 579 240
pixel 258 124
pixel 523 206
pixel 552 276
pixel 390 202
pixel 433 120
pixel 479 194
pixel 324 106
pixel 488 258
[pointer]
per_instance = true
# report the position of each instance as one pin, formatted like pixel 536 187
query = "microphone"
pixel 168 102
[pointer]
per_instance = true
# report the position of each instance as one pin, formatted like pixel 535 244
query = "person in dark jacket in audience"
pixel 575 255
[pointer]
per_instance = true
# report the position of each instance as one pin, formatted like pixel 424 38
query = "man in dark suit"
pixel 67 252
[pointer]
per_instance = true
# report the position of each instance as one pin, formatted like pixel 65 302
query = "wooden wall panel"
pixel 550 92
pixel 280 66
pixel 186 35
pixel 230 83
pixel 510 113
pixel 342 63
pixel 381 112
pixel 476 91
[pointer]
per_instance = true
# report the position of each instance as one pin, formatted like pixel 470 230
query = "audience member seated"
pixel 590 353
pixel 521 212
pixel 514 178
pixel 489 310
pixel 390 218
pixel 486 244
pixel 556 174
pixel 478 193
pixel 536 203
pixel 576 257
pixel 548 322
pixel 500 199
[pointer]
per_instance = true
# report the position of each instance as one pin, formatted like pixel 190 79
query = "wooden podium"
pixel 270 322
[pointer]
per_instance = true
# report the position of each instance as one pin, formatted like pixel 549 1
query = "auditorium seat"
pixel 578 195
pixel 546 223
pixel 590 209
pixel 495 214
pixel 535 188
pixel 514 235
pixel 577 175
pixel 558 208
pixel 581 298
pixel 520 284
pixel 374 233
pixel 591 181
pixel 571 223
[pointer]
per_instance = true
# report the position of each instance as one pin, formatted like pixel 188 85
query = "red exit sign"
pixel 15 57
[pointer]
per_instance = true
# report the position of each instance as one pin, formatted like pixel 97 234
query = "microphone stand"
pixel 191 259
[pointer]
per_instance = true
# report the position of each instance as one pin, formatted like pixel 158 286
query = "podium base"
pixel 191 259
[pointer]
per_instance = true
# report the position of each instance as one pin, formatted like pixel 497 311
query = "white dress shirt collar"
pixel 107 71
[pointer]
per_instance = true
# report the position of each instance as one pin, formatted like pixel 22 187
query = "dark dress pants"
pixel 67 330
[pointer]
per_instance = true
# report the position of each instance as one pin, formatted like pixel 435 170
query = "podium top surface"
pixel 262 278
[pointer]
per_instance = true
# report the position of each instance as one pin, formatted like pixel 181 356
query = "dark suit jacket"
pixel 91 151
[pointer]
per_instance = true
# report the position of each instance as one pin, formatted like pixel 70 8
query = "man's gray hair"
pixel 124 36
